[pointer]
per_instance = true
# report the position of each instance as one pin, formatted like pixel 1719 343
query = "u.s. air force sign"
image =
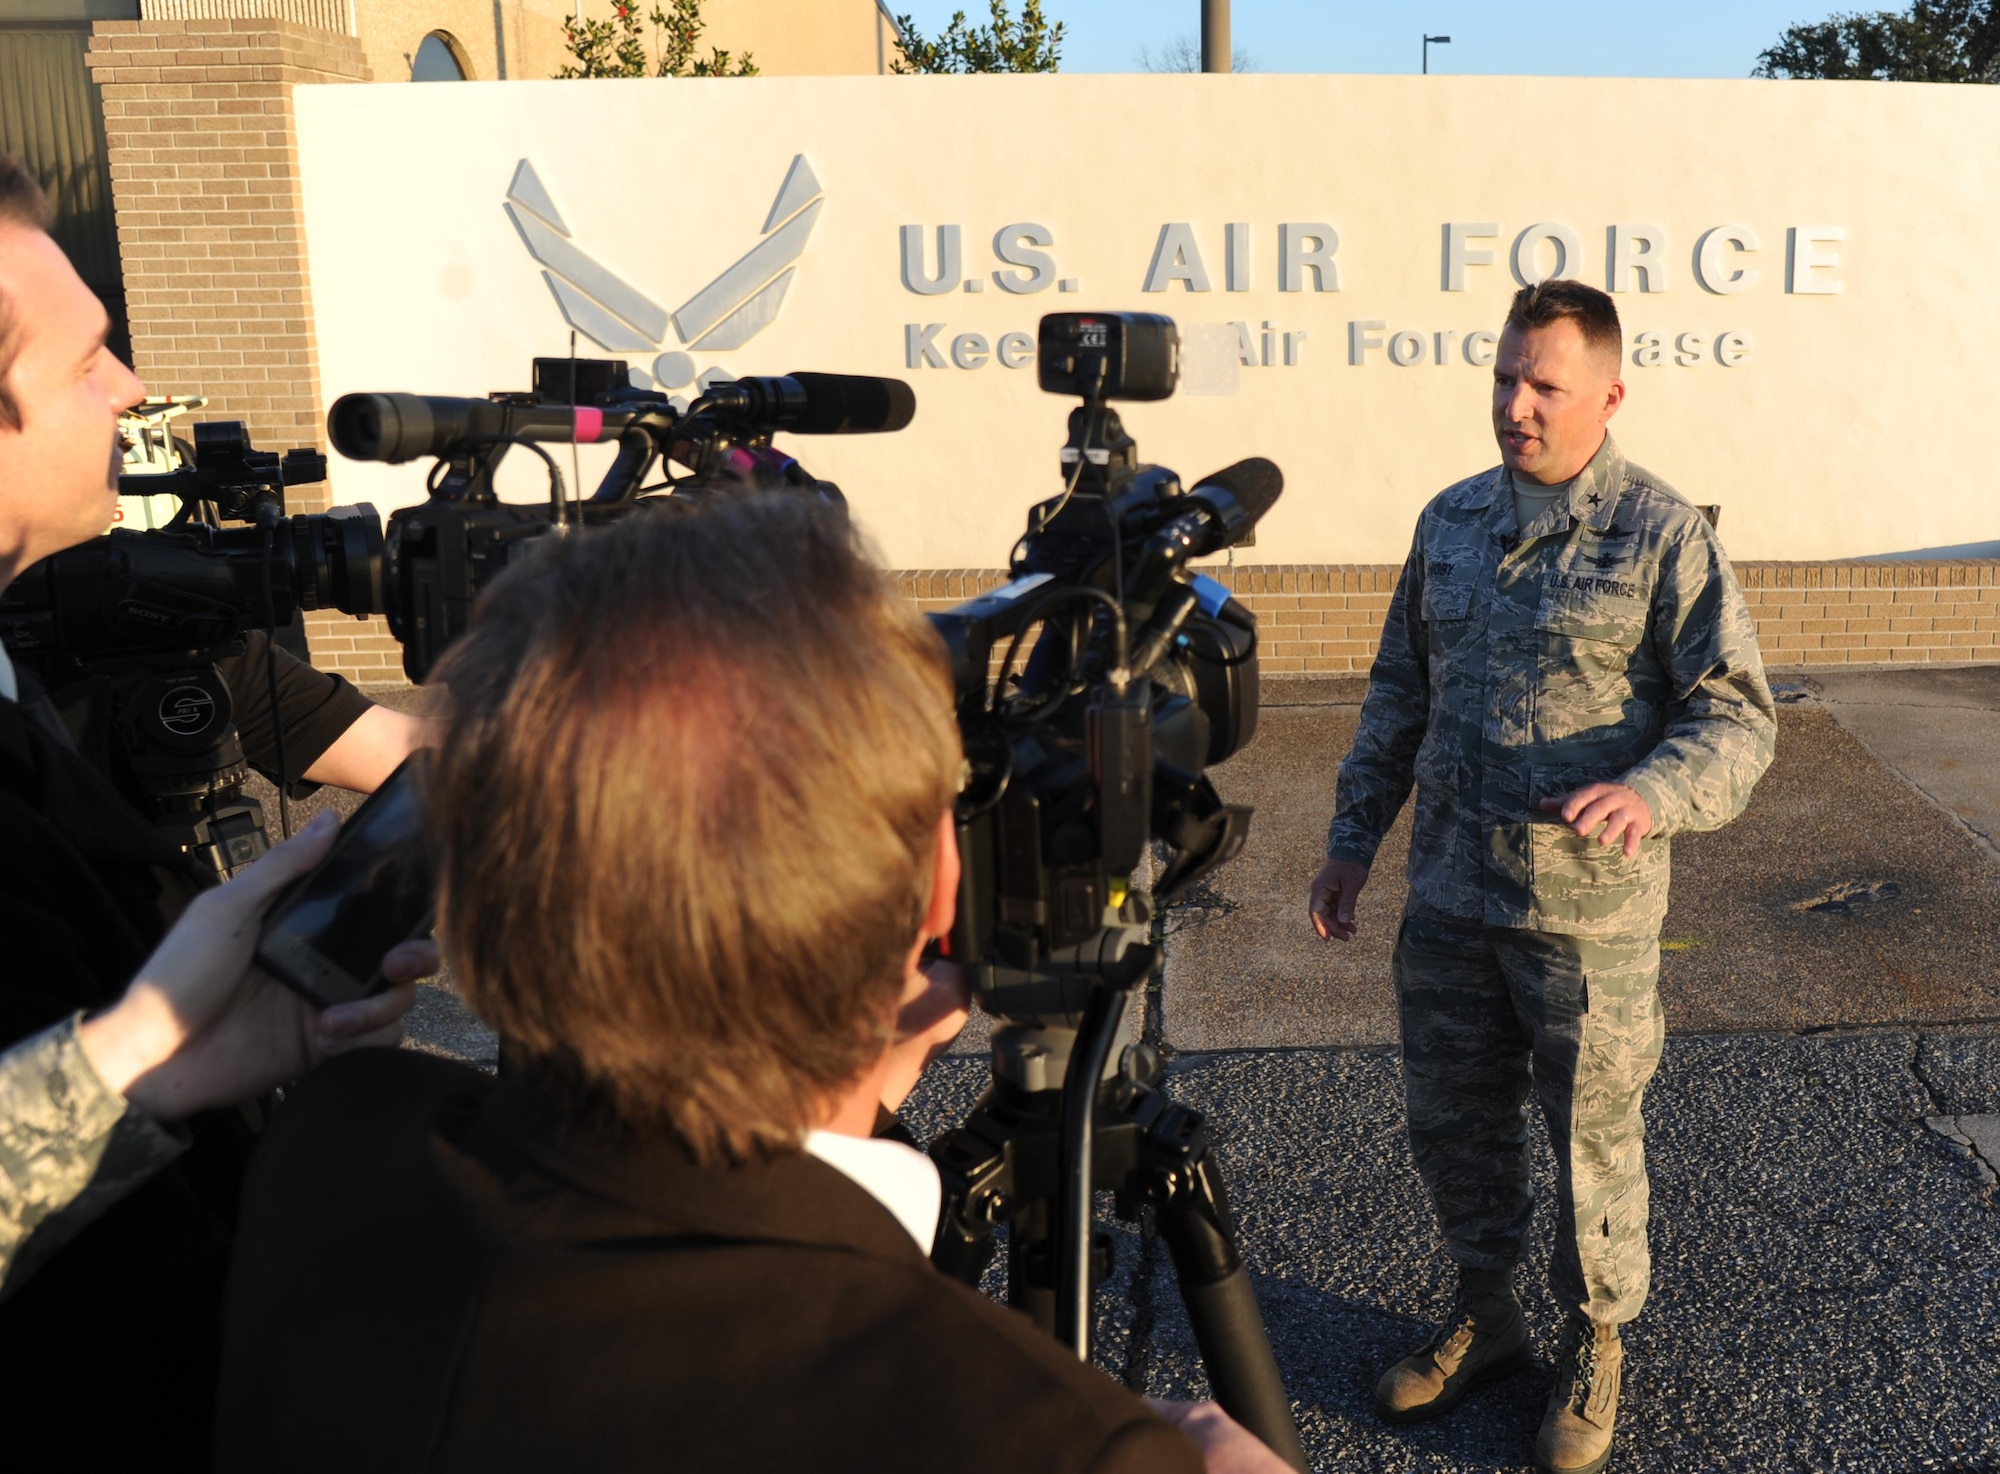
pixel 743 300
pixel 1808 312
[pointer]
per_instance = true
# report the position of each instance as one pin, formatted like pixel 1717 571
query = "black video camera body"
pixel 195 584
pixel 145 616
pixel 444 551
pixel 1140 674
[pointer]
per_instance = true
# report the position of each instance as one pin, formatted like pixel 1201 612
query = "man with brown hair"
pixel 692 822
pixel 1568 675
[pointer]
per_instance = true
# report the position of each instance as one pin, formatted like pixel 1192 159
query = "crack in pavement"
pixel 1951 1125
pixel 1917 1043
pixel 1954 1129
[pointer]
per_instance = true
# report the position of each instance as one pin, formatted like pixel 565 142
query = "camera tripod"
pixel 1060 1123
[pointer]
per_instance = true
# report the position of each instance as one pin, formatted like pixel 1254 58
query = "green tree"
pixel 617 47
pixel 1030 44
pixel 1932 41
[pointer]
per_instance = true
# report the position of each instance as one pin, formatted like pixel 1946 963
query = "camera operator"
pixel 88 887
pixel 692 825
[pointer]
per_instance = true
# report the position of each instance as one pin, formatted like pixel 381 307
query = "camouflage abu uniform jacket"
pixel 1609 644
pixel 70 1147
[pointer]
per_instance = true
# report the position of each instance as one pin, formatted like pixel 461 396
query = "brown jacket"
pixel 435 1273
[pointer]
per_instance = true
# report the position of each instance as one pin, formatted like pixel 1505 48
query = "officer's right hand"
pixel 1334 892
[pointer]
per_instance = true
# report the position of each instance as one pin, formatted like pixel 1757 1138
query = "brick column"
pixel 205 181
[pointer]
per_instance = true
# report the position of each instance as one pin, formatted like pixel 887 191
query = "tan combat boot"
pixel 1483 1339
pixel 1576 1430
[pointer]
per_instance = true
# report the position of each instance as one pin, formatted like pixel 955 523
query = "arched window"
pixel 438 59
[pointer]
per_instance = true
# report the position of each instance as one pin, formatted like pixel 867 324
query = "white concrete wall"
pixel 1858 422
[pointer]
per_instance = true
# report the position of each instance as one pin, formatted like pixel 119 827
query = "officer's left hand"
pixel 1619 809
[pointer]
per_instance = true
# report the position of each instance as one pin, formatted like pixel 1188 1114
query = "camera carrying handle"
pixel 638 448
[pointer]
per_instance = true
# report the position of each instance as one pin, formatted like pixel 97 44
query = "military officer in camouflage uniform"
pixel 1569 676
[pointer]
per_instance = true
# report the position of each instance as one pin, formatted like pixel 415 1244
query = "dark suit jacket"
pixel 434 1273
pixel 86 887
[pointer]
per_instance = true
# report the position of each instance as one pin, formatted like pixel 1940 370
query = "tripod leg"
pixel 1228 1326
pixel 1077 1176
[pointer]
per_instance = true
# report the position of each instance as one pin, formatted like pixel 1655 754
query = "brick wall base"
pixel 1865 613
pixel 1325 619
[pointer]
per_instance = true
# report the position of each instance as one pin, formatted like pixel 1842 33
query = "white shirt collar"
pixel 10 686
pixel 898 1177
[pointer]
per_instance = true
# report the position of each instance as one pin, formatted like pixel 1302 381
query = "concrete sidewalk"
pixel 1842 898
pixel 1939 729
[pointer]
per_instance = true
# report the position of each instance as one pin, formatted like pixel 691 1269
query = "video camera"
pixel 1141 673
pixel 441 553
pixel 145 616
pixel 1085 765
pixel 193 583
pixel 150 613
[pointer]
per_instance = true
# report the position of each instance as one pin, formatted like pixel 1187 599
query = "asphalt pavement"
pixel 1824 1132
pixel 1826 1287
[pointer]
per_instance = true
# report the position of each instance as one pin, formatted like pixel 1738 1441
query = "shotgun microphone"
pixel 814 404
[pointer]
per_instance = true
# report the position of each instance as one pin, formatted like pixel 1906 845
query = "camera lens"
pixel 336 560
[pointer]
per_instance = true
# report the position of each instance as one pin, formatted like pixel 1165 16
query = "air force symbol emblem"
pixel 724 315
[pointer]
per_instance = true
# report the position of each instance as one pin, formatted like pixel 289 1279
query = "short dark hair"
pixel 685 816
pixel 1560 300
pixel 21 203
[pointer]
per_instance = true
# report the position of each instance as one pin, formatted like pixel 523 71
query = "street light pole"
pixel 1429 42
pixel 1215 35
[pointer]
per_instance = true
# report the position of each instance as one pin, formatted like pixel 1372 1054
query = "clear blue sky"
pixel 1616 38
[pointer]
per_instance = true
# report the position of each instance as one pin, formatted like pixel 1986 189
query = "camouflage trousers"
pixel 1488 1014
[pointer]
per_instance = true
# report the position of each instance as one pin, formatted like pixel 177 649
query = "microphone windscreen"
pixel 1255 483
pixel 852 404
